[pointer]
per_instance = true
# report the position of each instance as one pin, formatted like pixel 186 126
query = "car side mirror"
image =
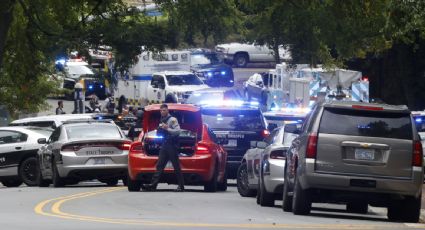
pixel 271 126
pixel 42 141
pixel 293 128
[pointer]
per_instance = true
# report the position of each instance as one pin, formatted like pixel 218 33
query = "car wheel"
pixel 42 182
pixel 242 182
pixel 301 203
pixel 57 181
pixel 170 99
pixel 110 181
pixel 12 182
pixel 241 60
pixel 266 198
pixel 258 192
pixel 211 186
pixel 222 186
pixel 407 210
pixel 357 207
pixel 28 171
pixel 133 185
pixel 286 199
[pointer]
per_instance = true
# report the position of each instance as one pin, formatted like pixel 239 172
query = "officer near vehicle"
pixel 136 129
pixel 78 98
pixel 169 129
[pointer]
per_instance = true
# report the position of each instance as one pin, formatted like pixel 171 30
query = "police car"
pixel 419 117
pixel 236 124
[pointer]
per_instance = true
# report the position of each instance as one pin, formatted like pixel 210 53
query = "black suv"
pixel 236 126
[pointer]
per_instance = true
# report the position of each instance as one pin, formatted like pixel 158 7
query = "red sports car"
pixel 202 160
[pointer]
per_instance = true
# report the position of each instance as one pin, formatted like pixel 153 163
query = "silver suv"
pixel 358 154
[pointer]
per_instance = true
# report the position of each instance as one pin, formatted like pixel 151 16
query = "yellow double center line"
pixel 56 203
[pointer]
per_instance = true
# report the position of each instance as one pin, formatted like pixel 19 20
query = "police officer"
pixel 135 129
pixel 169 128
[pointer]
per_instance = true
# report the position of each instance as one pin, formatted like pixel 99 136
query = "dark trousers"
pixel 167 153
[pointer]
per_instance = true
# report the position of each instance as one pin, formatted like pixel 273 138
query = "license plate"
pixel 169 165
pixel 232 143
pixel 364 154
pixel 99 161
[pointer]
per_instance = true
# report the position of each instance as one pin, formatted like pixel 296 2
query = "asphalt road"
pixel 94 206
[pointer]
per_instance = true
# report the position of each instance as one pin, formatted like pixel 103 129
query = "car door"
pixel 47 151
pixel 12 148
pixel 156 89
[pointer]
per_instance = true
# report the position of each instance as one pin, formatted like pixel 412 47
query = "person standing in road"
pixel 59 109
pixel 169 129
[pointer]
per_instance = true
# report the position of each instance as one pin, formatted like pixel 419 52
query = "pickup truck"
pixel 240 54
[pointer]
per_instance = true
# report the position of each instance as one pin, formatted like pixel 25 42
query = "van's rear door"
pixel 363 142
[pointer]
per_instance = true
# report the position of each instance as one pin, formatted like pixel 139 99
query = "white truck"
pixel 159 77
pixel 240 54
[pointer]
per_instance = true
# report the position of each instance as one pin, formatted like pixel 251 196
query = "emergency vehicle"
pixel 159 77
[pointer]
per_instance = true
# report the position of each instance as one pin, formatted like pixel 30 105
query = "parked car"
pixel 84 150
pixel 419 117
pixel 240 54
pixel 203 96
pixel 51 121
pixel 203 161
pixel 18 154
pixel 236 124
pixel 356 153
pixel 211 69
pixel 264 166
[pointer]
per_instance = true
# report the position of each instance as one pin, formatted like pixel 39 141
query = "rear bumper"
pixel 141 167
pixel 318 180
pixel 274 175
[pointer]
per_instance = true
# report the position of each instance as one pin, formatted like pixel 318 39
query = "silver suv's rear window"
pixel 366 123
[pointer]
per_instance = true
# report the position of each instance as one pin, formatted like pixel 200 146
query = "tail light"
pixel 312 146
pixel 125 146
pixel 265 133
pixel 417 154
pixel 278 154
pixel 137 147
pixel 202 149
pixel 70 148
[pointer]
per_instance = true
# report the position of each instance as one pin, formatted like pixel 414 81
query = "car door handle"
pixel 18 148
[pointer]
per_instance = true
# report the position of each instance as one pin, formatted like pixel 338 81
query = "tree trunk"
pixel 276 52
pixel 6 16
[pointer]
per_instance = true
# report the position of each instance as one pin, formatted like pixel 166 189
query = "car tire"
pixel 286 198
pixel 170 98
pixel 222 186
pixel 301 202
pixel 242 182
pixel 42 182
pixel 12 182
pixel 110 181
pixel 133 185
pixel 28 171
pixel 407 210
pixel 357 207
pixel 241 60
pixel 57 181
pixel 266 198
pixel 212 185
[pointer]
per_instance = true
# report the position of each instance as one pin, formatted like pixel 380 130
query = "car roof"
pixel 173 106
pixel 59 118
pixel 24 128
pixel 366 106
pixel 215 90
pixel 173 73
pixel 221 107
pixel 418 113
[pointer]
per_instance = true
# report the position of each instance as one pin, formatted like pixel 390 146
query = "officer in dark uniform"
pixel 135 129
pixel 169 128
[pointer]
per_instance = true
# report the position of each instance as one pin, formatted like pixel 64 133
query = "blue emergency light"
pixel 223 73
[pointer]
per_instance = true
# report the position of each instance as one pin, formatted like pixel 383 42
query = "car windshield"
pixel 204 59
pixel 237 119
pixel 366 123
pixel 92 131
pixel 187 79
